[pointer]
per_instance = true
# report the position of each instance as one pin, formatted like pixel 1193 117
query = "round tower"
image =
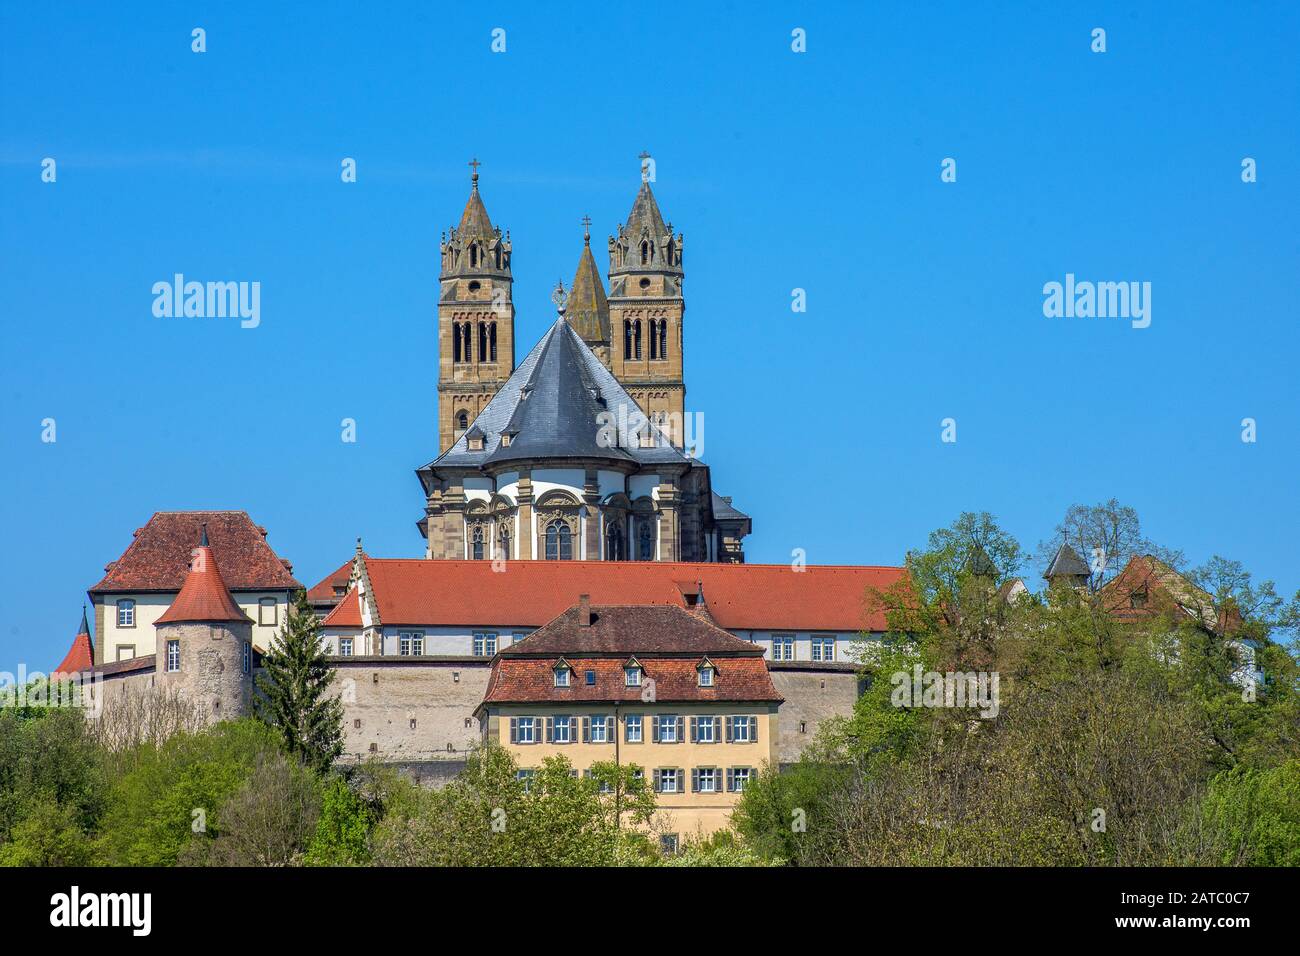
pixel 204 640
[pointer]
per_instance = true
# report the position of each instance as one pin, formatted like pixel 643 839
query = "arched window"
pixel 636 338
pixel 473 254
pixel 503 542
pixel 462 353
pixel 614 549
pixel 645 539
pixel 662 336
pixel 497 254
pixel 476 542
pixel 627 338
pixel 672 250
pixel 559 541
pixel 647 252
pixel 482 341
pixel 462 420
pixel 492 341
pixel 455 343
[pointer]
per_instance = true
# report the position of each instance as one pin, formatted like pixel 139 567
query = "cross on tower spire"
pixel 474 164
pixel 586 229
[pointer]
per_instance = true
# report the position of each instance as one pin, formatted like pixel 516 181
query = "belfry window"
pixel 476 542
pixel 482 341
pixel 462 420
pixel 559 541
pixel 473 254
pixel 492 341
pixel 647 252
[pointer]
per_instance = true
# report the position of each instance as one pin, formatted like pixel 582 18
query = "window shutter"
pixel 731 779
pixel 695 780
pixel 695 730
pixel 550 729
pixel 681 729
pixel 586 730
pixel 654 780
pixel 727 723
pixel 611 729
pixel 753 730
pixel 654 729
pixel 514 730
pixel 717 729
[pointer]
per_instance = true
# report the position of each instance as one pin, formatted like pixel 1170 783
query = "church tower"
pixel 476 317
pixel 645 310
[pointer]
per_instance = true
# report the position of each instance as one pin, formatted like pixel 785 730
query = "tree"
pixel 269 821
pixel 1105 535
pixel 294 698
pixel 343 830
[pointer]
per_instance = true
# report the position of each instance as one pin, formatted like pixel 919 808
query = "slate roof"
pixel 159 557
pixel 645 213
pixel 474 221
pixel 630 630
pixel 550 404
pixel 723 510
pixel 1067 563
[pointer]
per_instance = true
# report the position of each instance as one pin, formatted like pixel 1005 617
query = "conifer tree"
pixel 293 691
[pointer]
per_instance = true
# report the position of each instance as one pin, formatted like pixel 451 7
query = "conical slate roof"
pixel 980 564
pixel 645 214
pixel 1066 563
pixel 204 596
pixel 549 406
pixel 588 309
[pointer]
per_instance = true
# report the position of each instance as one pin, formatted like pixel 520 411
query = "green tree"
pixel 342 835
pixel 294 691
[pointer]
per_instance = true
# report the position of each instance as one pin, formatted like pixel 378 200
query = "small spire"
pixel 203 536
pixel 85 623
pixel 560 297
pixel 586 230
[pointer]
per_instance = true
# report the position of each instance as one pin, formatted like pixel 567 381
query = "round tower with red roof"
pixel 205 648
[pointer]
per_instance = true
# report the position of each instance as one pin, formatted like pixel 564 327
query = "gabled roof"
pixel 1166 590
pixel 549 405
pixel 724 510
pixel 771 597
pixel 323 592
pixel 347 613
pixel 1066 563
pixel 204 596
pixel 588 308
pixel 82 653
pixel 630 630
pixel 158 558
pixel 669 644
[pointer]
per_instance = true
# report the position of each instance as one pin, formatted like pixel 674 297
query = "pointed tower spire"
pixel 204 596
pixel 588 308
pixel 1068 568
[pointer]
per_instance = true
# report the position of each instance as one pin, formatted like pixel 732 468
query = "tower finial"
pixel 560 297
pixel 203 536
pixel 474 164
pixel 586 229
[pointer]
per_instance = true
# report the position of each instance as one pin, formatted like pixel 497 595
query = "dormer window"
pixel 505 441
pixel 1137 600
pixel 562 673
pixel 707 672
pixel 632 675
pixel 476 444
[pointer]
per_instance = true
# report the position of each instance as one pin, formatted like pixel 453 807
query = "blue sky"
pixel 817 170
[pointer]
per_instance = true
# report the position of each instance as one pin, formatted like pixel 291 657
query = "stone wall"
pixel 812 693
pixel 411 710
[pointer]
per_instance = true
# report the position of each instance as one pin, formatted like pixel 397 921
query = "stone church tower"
pixel 645 311
pixel 476 318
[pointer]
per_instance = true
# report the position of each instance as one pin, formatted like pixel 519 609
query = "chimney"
pixel 584 610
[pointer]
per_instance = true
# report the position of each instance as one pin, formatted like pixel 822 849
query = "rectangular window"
pixel 562 677
pixel 633 676
pixel 666 781
pixel 600 730
pixel 126 613
pixel 523 730
pixel 823 648
pixel 526 778
pixel 705 780
pixel 782 647
pixel 632 725
pixel 485 644
pixel 706 676
pixel 411 643
pixel 738 778
pixel 125 652
pixel 248 657
pixel 667 729
pixel 668 844
pixel 173 656
pixel 562 730
pixel 345 646
pixel 744 730
pixel 591 678
pixel 266 612
pixel 706 730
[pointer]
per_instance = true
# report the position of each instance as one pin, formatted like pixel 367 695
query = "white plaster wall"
pixel 150 607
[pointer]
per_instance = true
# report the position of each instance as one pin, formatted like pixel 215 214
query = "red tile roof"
pixel 347 613
pixel 1165 590
pixel 530 593
pixel 668 642
pixel 82 653
pixel 158 558
pixel 204 595
pixel 323 592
